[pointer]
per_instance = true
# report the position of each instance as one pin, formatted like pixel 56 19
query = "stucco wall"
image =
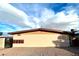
pixel 2 42
pixel 42 39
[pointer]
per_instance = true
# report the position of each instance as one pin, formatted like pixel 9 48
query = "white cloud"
pixel 12 16
pixel 46 14
pixel 62 21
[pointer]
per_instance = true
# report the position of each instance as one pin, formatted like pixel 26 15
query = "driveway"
pixel 39 51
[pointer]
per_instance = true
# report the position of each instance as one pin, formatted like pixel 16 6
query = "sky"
pixel 24 16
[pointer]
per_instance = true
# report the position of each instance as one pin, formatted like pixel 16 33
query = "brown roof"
pixel 40 29
pixel 5 36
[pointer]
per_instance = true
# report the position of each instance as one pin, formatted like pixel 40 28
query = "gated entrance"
pixel 8 42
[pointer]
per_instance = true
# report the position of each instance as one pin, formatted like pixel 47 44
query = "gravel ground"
pixel 39 51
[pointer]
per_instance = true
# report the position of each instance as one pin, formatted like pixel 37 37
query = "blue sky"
pixel 21 16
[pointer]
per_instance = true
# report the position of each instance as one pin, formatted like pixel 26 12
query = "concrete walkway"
pixel 40 51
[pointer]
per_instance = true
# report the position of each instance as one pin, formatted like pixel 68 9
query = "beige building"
pixel 2 41
pixel 40 38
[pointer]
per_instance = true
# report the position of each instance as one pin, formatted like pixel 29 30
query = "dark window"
pixel 18 41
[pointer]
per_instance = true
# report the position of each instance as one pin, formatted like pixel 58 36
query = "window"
pixel 18 41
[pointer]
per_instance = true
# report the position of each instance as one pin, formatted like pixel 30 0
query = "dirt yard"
pixel 41 51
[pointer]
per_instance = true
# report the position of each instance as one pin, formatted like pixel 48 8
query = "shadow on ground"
pixel 73 50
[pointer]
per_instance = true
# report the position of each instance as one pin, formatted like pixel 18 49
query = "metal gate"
pixel 8 42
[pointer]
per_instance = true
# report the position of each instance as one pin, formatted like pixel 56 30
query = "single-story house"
pixel 39 37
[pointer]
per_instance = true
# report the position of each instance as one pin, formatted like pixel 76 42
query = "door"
pixel 8 42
